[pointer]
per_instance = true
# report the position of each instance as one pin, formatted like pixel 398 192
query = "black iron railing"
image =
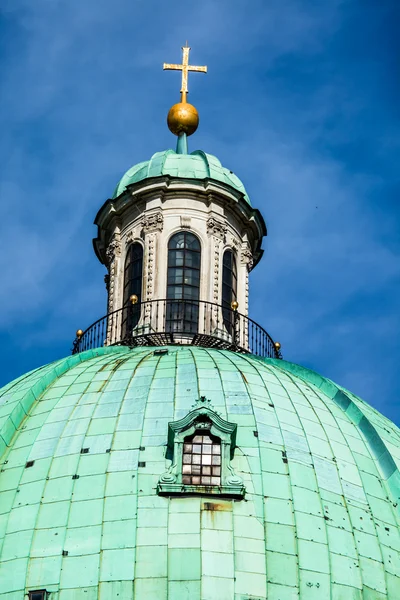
pixel 162 322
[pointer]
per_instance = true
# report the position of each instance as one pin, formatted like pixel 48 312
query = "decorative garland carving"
pixel 216 228
pixel 151 244
pixel 217 246
pixel 154 222
pixel 113 252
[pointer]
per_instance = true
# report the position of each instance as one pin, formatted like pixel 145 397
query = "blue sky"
pixel 301 101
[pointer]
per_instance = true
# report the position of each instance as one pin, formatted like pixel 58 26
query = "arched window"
pixel 201 459
pixel 132 285
pixel 183 282
pixel 229 288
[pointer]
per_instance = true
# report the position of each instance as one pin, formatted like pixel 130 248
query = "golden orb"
pixel 277 346
pixel 234 305
pixel 183 118
pixel 133 299
pixel 79 334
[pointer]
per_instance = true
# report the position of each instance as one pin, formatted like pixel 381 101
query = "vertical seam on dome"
pixel 346 503
pixel 263 522
pixel 267 582
pixel 156 363
pixel 205 159
pixel 273 373
pixel 220 378
pixel 139 362
pixel 34 527
pixel 196 371
pixel 292 379
pixel 394 487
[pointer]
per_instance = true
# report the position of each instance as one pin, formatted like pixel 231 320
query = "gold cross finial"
pixel 185 68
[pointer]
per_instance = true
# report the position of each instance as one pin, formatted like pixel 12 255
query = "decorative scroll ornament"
pixel 217 228
pixel 154 222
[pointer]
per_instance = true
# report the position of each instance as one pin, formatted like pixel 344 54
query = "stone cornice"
pixel 165 188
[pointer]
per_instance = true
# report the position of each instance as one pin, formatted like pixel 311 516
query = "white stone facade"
pixel 155 210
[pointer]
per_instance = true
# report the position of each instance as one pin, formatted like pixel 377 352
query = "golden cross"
pixel 185 68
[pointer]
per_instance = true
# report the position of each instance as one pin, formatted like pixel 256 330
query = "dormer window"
pixel 200 448
pixel 37 595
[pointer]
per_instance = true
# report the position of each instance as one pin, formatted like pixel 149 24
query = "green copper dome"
pixel 83 444
pixel 197 165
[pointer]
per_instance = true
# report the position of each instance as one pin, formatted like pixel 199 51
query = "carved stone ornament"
pixel 154 222
pixel 151 245
pixel 217 248
pixel 202 417
pixel 129 238
pixel 186 222
pixel 113 249
pixel 247 258
pixel 217 228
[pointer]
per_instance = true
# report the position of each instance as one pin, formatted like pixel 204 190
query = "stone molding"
pixel 216 228
pixel 152 222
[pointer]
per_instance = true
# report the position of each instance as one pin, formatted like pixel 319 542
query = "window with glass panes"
pixel 183 282
pixel 229 288
pixel 201 463
pixel 38 595
pixel 132 285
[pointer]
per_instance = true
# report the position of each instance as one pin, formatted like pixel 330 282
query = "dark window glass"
pixel 201 462
pixel 38 595
pixel 183 283
pixel 229 288
pixel 132 285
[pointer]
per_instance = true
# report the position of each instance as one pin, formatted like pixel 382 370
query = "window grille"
pixel 201 460
pixel 183 282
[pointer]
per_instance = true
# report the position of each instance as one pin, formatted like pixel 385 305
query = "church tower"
pixel 175 455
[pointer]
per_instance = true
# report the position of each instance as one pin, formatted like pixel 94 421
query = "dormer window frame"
pixel 203 419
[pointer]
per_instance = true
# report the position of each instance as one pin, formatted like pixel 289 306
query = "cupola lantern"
pixel 181 236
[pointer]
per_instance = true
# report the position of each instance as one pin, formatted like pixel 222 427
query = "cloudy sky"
pixel 301 101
